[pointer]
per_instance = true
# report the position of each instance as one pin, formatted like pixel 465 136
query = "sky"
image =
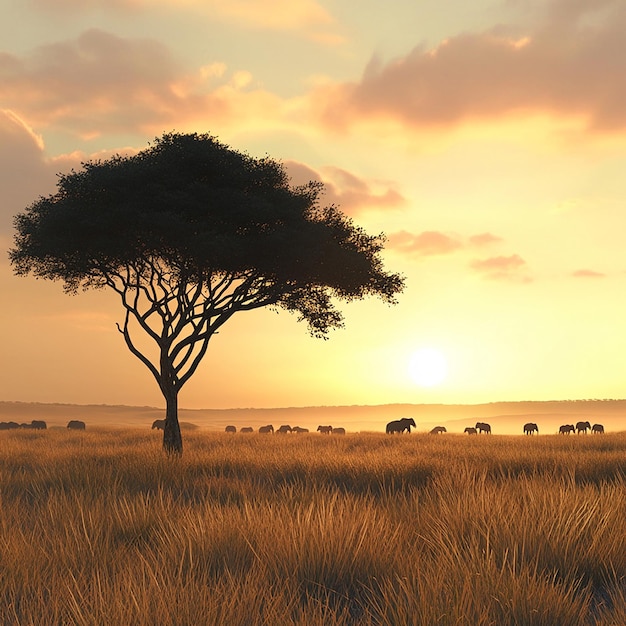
pixel 485 139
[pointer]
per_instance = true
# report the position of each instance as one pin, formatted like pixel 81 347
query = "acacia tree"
pixel 189 232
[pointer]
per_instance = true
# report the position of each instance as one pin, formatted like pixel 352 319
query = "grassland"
pixel 101 528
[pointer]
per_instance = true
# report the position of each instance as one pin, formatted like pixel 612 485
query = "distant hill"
pixel 504 417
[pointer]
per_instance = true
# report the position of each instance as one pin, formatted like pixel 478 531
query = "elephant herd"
pixel 399 426
pixel 40 425
pixel 35 425
pixel 282 430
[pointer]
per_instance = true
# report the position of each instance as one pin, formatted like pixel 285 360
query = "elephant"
pixel 566 429
pixel 582 427
pixel 247 429
pixel 438 430
pixel 597 429
pixel 266 429
pixel 285 428
pixel 482 427
pixel 38 425
pixel 231 429
pixel 470 430
pixel 158 424
pixel 325 430
pixel 399 426
pixel 531 428
pixel 76 425
pixel 298 429
pixel 8 425
pixel 338 431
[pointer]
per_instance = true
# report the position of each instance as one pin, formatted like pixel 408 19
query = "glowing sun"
pixel 428 367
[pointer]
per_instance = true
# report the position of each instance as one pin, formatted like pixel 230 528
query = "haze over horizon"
pixel 487 140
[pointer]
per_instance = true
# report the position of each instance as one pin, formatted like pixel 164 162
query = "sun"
pixel 428 367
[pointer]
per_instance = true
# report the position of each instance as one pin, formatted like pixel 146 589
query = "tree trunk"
pixel 172 439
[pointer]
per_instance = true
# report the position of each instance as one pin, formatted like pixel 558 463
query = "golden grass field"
pixel 101 528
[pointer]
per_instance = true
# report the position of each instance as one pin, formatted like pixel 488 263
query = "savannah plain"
pixel 101 527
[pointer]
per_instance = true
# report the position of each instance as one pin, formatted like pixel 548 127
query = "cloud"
pixel 484 239
pixel 435 243
pixel 103 84
pixel 573 65
pixel 24 172
pixel 346 190
pixel 510 268
pixel 427 243
pixel 588 274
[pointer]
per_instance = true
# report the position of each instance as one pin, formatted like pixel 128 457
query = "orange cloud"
pixel 427 243
pixel 484 239
pixel 588 274
pixel 431 243
pixel 502 268
pixel 346 190
pixel 573 65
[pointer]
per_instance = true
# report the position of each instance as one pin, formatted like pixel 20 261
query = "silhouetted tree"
pixel 189 232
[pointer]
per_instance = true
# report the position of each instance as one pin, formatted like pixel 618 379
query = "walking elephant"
pixel 285 428
pixel 470 430
pixel 247 429
pixel 483 427
pixel 325 430
pixel 158 424
pixel 531 428
pixel 582 427
pixel 597 429
pixel 566 429
pixel 76 425
pixel 437 430
pixel 266 429
pixel 399 426
pixel 299 430
pixel 338 431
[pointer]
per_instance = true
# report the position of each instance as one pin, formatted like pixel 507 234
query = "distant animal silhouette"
pixel 399 426
pixel 437 430
pixel 266 429
pixel 285 428
pixel 470 430
pixel 298 429
pixel 325 430
pixel 338 431
pixel 582 427
pixel 35 424
pixel 483 427
pixel 531 428
pixel 8 425
pixel 158 424
pixel 231 429
pixel 566 429
pixel 76 425
pixel 247 429
pixel 597 429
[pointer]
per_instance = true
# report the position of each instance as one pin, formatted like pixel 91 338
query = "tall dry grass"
pixel 101 528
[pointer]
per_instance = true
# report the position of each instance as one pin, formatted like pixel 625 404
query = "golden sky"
pixel 486 139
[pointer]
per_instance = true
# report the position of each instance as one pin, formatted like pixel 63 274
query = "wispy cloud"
pixel 103 83
pixel 586 273
pixel 509 268
pixel 346 190
pixel 572 65
pixel 436 243
pixel 427 243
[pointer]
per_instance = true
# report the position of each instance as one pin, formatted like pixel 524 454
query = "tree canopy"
pixel 188 232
